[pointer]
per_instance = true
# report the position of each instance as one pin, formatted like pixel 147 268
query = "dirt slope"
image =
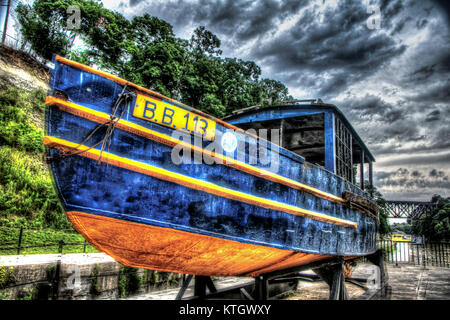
pixel 20 70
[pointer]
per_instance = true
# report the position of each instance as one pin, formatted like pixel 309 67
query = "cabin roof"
pixel 256 114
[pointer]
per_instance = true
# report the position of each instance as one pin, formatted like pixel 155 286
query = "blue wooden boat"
pixel 119 157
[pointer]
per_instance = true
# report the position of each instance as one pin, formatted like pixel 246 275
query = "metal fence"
pixel 23 244
pixel 20 45
pixel 427 254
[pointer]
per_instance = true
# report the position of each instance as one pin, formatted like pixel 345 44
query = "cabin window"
pixel 303 135
pixel 343 147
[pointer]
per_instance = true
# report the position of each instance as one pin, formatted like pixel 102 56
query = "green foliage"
pixel 16 107
pixel 26 189
pixel 104 32
pixel 93 279
pixel 274 92
pixel 155 56
pixel 44 27
pixel 129 281
pixel 7 277
pixel 384 227
pixel 435 226
pixel 27 294
pixel 205 42
pixel 403 227
pixel 122 284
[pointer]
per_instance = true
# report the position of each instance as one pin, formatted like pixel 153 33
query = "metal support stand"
pixel 270 285
pixel 200 285
pixel 290 275
pixel 333 275
pixel 184 286
pixel 261 288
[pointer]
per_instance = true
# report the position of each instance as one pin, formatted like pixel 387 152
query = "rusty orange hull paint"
pixel 164 249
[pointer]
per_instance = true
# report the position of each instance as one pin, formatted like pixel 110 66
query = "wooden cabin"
pixel 317 131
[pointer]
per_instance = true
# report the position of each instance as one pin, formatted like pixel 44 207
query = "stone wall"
pixel 80 277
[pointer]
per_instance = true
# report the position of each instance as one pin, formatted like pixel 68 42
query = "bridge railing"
pixel 408 209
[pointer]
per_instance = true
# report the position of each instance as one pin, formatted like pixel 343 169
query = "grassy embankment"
pixel 27 197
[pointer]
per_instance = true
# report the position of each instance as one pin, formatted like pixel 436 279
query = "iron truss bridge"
pixel 409 209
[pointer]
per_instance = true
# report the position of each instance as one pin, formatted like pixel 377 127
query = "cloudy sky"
pixel 388 73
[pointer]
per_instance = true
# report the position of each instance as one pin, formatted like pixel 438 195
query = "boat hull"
pixel 134 203
pixel 167 249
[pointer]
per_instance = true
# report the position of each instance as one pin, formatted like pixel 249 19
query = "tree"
pixel 403 227
pixel 239 86
pixel 384 227
pixel 104 34
pixel 155 57
pixel 205 42
pixel 43 25
pixel 436 225
pixel 274 92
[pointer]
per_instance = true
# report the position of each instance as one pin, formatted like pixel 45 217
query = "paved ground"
pixel 409 282
pixel 416 283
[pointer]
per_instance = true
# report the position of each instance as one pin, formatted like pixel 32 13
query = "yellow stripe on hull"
pixel 102 117
pixel 192 183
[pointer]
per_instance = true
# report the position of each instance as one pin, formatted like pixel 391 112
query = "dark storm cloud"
pixel 400 25
pixel 371 107
pixel 325 54
pixel 416 179
pixel 439 92
pixel 428 75
pixel 242 20
pixel 436 173
pixel 391 8
pixel 420 24
pixel 444 7
pixel 433 159
pixel 246 20
pixel 429 147
pixel 328 54
pixel 341 47
pixel 135 2
pixel 423 73
pixel 433 116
